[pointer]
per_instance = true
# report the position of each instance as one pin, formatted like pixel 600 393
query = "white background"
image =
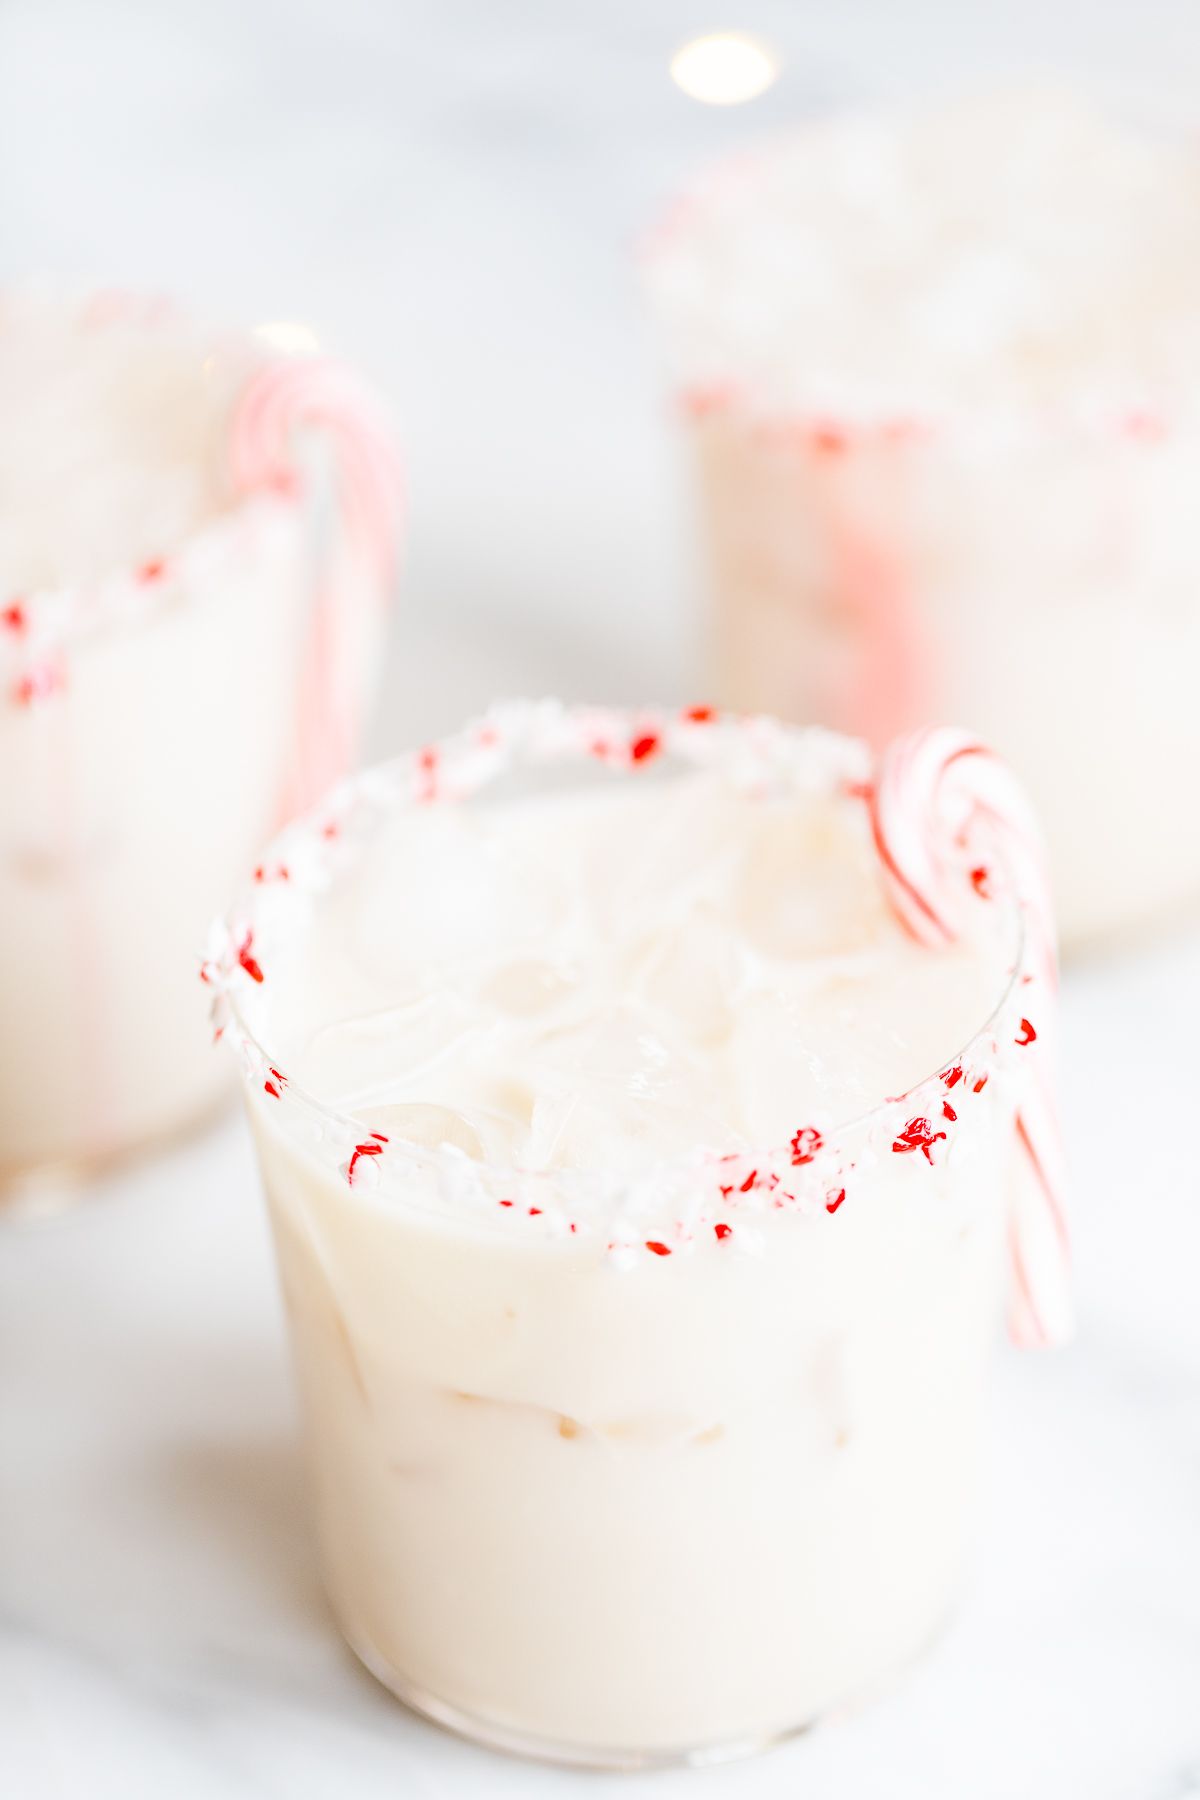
pixel 450 194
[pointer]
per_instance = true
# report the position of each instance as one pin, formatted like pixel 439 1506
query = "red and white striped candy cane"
pixel 285 401
pixel 941 803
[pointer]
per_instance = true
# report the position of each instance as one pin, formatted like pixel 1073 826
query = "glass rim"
pixel 131 597
pixel 721 388
pixel 537 734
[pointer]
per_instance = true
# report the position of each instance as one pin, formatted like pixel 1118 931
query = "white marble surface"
pixel 448 192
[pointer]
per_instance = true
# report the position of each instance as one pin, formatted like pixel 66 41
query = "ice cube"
pixel 807 886
pixel 683 851
pixel 778 1076
pixel 526 988
pixel 474 896
pixel 372 1056
pixel 689 976
pixel 416 1122
pixel 618 1095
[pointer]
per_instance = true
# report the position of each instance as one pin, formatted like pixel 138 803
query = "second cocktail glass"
pixel 196 563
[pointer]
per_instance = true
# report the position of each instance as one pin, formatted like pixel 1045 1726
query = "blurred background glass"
pixel 451 194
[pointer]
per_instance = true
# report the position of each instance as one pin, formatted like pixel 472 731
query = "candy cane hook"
pixel 284 401
pixel 940 801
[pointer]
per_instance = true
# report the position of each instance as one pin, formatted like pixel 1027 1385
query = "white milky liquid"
pixel 139 785
pixel 618 1507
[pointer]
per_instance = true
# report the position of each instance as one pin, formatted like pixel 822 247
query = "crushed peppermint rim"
pixel 37 624
pixel 263 498
pixel 40 626
pixel 675 1201
pixel 747 260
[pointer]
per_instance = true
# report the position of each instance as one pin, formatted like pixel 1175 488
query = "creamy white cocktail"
pixel 939 370
pixel 643 1193
pixel 196 544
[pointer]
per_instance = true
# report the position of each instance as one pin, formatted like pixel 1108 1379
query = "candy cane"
pixel 941 801
pixel 284 401
pixel 872 586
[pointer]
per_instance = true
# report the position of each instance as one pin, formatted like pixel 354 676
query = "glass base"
pixel 492 1736
pixel 47 1189
pixel 568 1756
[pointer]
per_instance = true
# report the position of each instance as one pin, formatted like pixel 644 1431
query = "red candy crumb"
pixel 722 1231
pixel 948 1111
pixel 751 1178
pixel 644 746
pixel 534 1211
pixel 1026 1035
pixel 427 767
pixel 834 1199
pixel 506 1203
pixel 37 685
pixel 247 959
pixel 829 439
pixel 805 1145
pixel 658 1249
pixel 1148 426
pixel 902 430
pixel 700 715
pixel 361 1150
pixel 980 1085
pixel 980 881
pixel 700 402
pixel 918 1134
pixel 953 1076
pixel 14 616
